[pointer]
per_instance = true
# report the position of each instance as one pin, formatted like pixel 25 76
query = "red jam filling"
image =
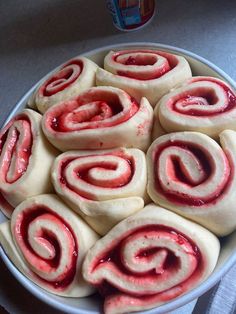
pixel 21 230
pixel 62 79
pixel 185 199
pixel 114 255
pixel 83 174
pixel 210 98
pixel 21 153
pixel 99 115
pixel 142 60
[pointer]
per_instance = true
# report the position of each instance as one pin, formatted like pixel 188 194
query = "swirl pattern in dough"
pixel 189 173
pixel 25 160
pixel 143 72
pixel 75 76
pixel 148 259
pixel 47 242
pixel 103 186
pixel 99 118
pixel 202 104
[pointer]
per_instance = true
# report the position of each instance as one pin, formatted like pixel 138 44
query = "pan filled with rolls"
pixel 118 183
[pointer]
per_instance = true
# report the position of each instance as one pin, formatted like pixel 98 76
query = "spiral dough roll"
pixel 189 173
pixel 143 72
pixel 75 76
pixel 25 160
pixel 47 242
pixel 104 186
pixel 202 104
pixel 99 118
pixel 149 259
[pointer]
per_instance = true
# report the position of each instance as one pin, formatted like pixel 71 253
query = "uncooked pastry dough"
pixel 189 173
pixel 143 72
pixel 149 259
pixel 103 186
pixel 47 242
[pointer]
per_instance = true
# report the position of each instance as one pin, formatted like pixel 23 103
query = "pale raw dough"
pixel 36 179
pixel 109 132
pixel 152 89
pixel 81 232
pixel 212 188
pixel 150 292
pixel 173 112
pixel 102 205
pixel 78 82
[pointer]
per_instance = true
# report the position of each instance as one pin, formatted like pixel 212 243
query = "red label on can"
pixel 131 14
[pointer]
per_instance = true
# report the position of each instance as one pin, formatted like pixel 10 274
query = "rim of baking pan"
pixel 171 305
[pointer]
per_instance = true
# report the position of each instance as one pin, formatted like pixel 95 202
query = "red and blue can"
pixel 129 15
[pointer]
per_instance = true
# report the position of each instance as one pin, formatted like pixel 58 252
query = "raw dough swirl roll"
pixel 102 186
pixel 99 118
pixel 189 173
pixel 25 160
pixel 143 72
pixel 203 104
pixel 149 259
pixel 47 242
pixel 75 76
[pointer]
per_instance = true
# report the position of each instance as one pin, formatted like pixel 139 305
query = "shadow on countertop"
pixel 48 23
pixel 36 24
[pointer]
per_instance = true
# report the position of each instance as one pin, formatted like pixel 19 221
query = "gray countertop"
pixel 37 36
